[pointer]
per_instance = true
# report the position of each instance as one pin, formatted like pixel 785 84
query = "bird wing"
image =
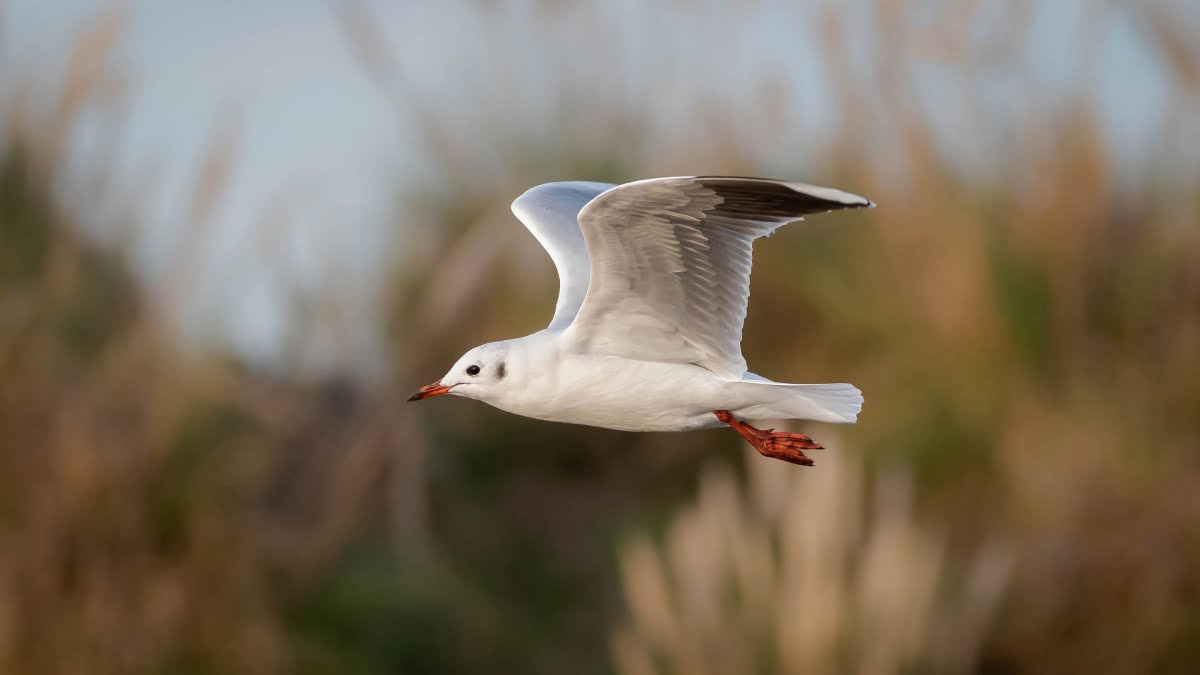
pixel 670 264
pixel 550 212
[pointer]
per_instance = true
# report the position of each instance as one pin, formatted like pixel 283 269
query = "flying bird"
pixel 654 277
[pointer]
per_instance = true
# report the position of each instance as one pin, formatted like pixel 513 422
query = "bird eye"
pixel 472 370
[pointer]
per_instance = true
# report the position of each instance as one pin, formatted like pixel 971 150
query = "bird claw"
pixel 789 447
pixel 787 454
pixel 786 445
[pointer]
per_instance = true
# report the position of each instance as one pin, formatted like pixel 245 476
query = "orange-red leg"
pixel 783 445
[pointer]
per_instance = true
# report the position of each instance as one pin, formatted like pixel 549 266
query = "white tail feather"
pixel 838 403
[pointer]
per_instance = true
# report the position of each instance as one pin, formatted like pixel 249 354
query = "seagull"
pixel 654 278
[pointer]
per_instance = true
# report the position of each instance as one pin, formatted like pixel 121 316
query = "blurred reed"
pixel 789 576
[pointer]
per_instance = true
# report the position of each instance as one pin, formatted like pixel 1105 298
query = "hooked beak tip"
pixel 429 390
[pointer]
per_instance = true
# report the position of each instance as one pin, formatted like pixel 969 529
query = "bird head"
pixel 476 374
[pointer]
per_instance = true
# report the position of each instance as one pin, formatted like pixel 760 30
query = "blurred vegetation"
pixel 1028 341
pixel 800 577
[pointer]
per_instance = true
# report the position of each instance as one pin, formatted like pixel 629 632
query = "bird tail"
pixel 838 403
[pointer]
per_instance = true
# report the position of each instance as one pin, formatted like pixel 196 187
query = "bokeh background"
pixel 235 236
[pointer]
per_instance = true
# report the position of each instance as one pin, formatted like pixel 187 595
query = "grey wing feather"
pixel 670 264
pixel 550 211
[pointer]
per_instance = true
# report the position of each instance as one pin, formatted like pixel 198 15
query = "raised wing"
pixel 550 212
pixel 670 264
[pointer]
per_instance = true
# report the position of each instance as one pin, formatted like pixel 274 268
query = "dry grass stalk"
pixel 788 576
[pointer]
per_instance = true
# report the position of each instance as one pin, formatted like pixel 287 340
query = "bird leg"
pixel 783 445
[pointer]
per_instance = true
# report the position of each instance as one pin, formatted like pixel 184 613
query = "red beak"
pixel 435 389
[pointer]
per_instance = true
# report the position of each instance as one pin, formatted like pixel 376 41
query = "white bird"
pixel 654 277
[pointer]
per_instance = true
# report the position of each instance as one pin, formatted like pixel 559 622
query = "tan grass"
pixel 798 573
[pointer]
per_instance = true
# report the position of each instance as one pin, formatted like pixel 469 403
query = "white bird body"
pixel 646 335
pixel 548 379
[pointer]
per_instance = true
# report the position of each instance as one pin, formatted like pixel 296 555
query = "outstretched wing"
pixel 550 212
pixel 670 264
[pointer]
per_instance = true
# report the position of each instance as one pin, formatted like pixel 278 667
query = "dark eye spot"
pixel 500 371
pixel 472 370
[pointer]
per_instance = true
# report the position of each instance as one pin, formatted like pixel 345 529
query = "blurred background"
pixel 235 236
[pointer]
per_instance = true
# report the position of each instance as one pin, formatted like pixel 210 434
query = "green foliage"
pixel 376 613
pixel 25 228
